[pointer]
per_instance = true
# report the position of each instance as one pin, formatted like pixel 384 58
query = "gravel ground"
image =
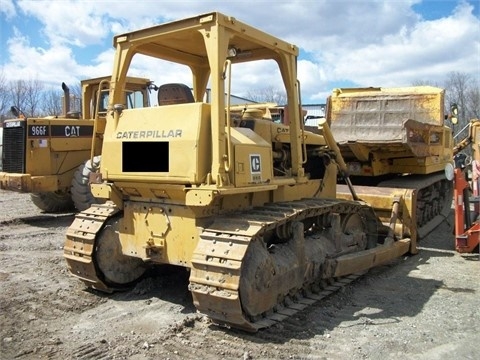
pixel 418 307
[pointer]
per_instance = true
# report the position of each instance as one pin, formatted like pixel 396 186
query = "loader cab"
pixel 102 104
pixel 133 99
pixel 97 91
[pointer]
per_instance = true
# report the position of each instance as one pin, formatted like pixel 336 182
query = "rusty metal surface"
pixel 228 252
pixel 469 240
pixel 15 182
pixel 378 114
pixel 367 259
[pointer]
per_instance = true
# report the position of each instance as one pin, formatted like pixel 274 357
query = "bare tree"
pixel 473 100
pixel 27 95
pixel 76 97
pixel 463 90
pixel 457 87
pixel 33 97
pixel 52 102
pixel 18 95
pixel 268 94
pixel 4 97
pixel 422 82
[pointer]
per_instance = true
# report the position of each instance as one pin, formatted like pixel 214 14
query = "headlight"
pixel 449 172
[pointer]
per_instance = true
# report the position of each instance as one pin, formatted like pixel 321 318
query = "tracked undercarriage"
pixel 249 269
pixel 248 204
pixel 425 201
pixel 434 195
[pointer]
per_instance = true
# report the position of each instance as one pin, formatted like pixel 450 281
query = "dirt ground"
pixel 425 306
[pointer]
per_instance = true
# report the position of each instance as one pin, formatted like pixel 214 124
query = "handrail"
pixel 227 71
pixel 99 93
pixel 302 125
pixel 461 130
pixel 96 117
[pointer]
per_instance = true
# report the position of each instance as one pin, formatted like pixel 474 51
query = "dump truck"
pixel 396 145
pixel 51 157
pixel 248 206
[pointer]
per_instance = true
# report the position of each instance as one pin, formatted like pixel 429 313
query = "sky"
pixel 343 43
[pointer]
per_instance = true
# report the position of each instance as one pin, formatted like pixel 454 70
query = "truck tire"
pixel 53 202
pixel 81 195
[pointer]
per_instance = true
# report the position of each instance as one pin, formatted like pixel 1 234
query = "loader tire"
pixel 53 202
pixel 80 189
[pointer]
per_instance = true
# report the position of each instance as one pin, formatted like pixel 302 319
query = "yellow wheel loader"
pixel 51 157
pixel 396 146
pixel 246 204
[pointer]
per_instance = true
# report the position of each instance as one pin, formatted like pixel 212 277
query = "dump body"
pixel 247 204
pixel 394 142
pixel 384 131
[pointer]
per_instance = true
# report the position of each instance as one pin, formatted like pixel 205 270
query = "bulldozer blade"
pixel 383 199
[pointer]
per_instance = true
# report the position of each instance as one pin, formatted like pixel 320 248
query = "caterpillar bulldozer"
pixel 396 146
pixel 247 205
pixel 51 157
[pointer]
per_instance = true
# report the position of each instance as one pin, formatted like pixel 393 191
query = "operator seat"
pixel 169 94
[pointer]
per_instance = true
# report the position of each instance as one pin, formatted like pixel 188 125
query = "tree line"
pixel 35 99
pixel 463 91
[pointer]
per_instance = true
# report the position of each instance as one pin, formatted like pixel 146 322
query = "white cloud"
pixel 28 62
pixel 313 80
pixel 54 65
pixel 68 22
pixel 368 43
pixel 428 50
pixel 8 8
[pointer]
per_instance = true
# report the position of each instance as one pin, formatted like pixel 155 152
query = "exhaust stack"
pixel 66 99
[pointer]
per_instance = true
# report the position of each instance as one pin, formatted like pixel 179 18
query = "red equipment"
pixel 467 230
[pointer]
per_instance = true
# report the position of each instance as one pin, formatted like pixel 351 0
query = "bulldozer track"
pixel 296 302
pixel 434 199
pixel 223 252
pixel 80 244
pixel 219 258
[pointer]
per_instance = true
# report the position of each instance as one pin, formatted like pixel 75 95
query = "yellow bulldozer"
pixel 51 158
pixel 396 146
pixel 246 204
